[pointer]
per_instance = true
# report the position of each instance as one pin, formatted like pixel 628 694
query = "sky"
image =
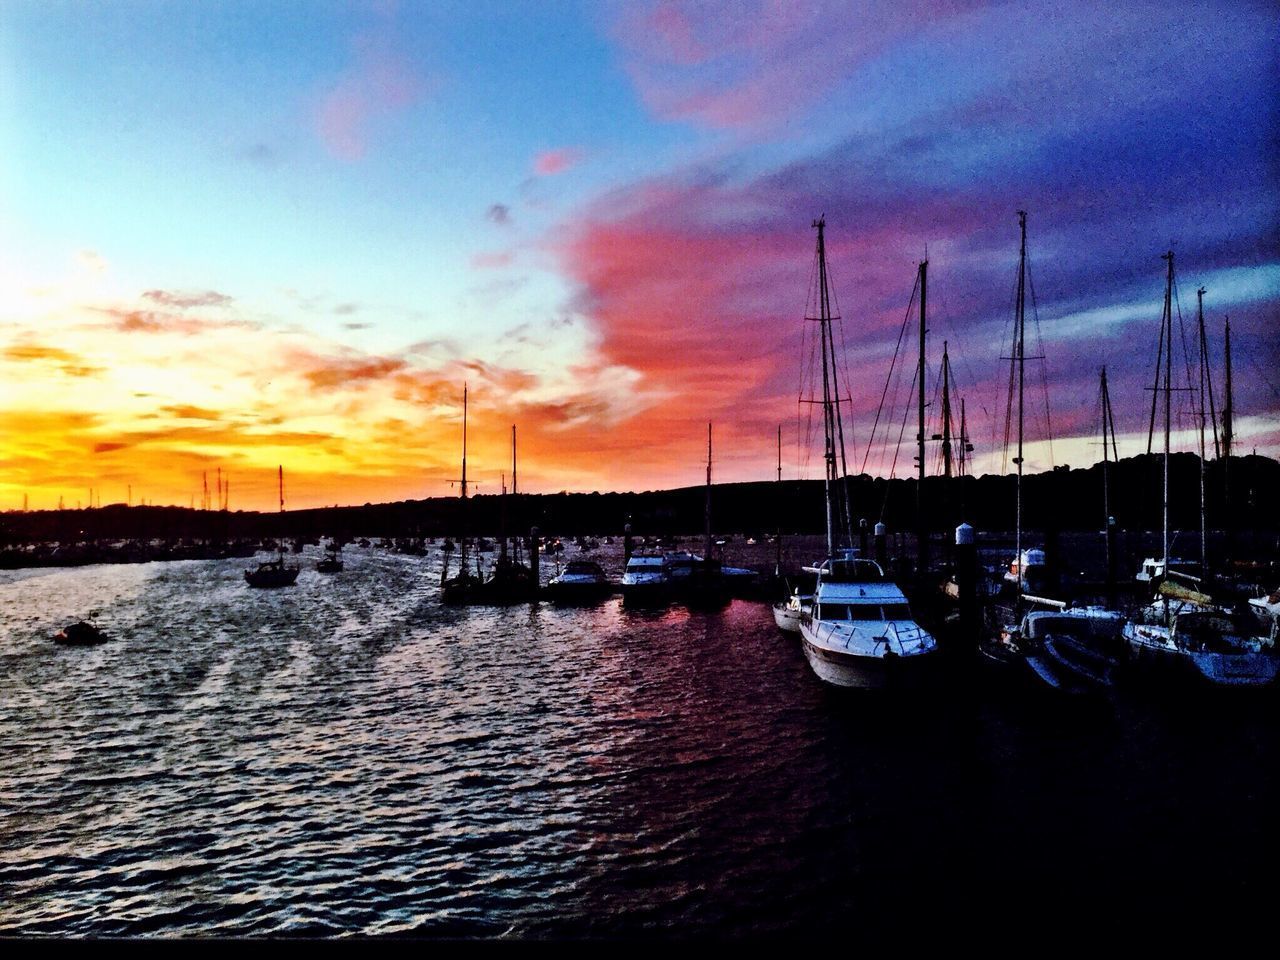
pixel 235 236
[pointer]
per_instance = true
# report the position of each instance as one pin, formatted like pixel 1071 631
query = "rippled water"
pixel 350 757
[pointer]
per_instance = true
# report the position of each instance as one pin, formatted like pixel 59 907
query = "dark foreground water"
pixel 349 757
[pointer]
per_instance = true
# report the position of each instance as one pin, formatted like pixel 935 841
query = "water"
pixel 350 757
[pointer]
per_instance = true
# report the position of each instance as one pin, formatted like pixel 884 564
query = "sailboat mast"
pixel 280 478
pixel 1020 359
pixel 706 558
pixel 1228 409
pixel 1167 335
pixel 922 533
pixel 777 566
pixel 828 414
pixel 1204 371
pixel 514 487
pixel 464 441
pixel 946 412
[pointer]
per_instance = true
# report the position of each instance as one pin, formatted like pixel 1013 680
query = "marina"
pixel 623 473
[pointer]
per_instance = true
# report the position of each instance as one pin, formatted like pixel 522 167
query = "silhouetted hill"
pixel 1063 499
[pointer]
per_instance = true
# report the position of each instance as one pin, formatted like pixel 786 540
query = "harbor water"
pixel 350 757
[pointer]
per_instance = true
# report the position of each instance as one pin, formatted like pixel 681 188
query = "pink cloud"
pixel 492 260
pixel 380 82
pixel 757 63
pixel 551 162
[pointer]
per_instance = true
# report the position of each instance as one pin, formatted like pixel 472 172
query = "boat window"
pixel 864 611
pixel 897 611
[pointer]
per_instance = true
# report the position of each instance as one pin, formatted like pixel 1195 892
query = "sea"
pixel 349 757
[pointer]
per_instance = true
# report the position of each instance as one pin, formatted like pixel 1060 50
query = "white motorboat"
pixel 645 579
pixel 860 632
pixel 582 581
pixel 787 613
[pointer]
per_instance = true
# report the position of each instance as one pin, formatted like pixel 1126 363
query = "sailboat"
pixel 1183 633
pixel 859 632
pixel 462 587
pixel 274 573
pixel 511 581
pixel 1067 648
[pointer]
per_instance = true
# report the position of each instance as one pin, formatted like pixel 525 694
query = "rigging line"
pixel 1188 402
pixel 906 415
pixel 1044 366
pixel 901 333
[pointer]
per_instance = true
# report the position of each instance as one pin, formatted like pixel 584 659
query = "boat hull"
pixel 787 619
pixel 856 671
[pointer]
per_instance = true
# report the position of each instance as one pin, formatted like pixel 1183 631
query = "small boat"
pixel 272 573
pixel 510 582
pixel 1027 570
pixel 1075 649
pixel 275 573
pixel 583 581
pixel 80 634
pixel 788 613
pixel 331 563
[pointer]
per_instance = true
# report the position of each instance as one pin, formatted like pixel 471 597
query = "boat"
pixel 274 573
pixel 645 581
pixel 1074 649
pixel 581 582
pixel 511 581
pixel 80 634
pixel 1016 644
pixel 464 585
pixel 1204 644
pixel 859 632
pixel 331 562
pixel 1184 632
pixel 1027 570
pixel 787 613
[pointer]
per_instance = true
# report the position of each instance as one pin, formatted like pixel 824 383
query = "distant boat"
pixel 582 582
pixel 331 563
pixel 462 587
pixel 80 634
pixel 274 573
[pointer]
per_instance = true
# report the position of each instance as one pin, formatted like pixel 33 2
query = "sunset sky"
pixel 236 235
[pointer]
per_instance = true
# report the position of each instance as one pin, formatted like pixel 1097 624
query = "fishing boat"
pixel 859 632
pixel 463 587
pixel 274 573
pixel 581 582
